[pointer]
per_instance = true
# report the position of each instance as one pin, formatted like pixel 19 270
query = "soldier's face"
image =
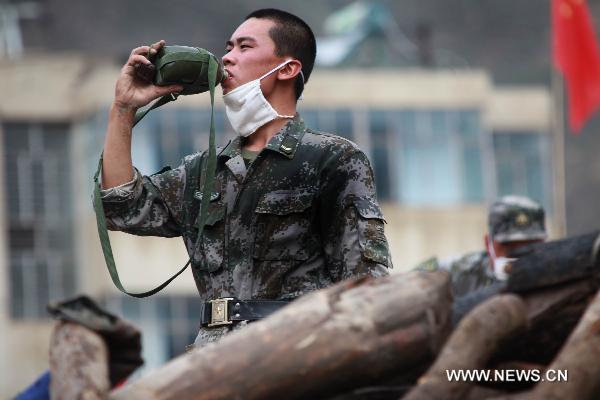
pixel 508 248
pixel 250 53
pixel 505 249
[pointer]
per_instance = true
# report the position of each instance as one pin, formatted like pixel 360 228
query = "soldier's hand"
pixel 132 92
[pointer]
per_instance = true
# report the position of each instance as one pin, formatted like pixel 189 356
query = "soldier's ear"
pixel 290 70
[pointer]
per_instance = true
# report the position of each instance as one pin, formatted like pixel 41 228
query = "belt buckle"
pixel 219 313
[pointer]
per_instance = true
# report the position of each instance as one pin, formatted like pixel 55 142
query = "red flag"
pixel 576 55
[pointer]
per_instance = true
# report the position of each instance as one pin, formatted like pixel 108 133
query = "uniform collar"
pixel 232 149
pixel 285 142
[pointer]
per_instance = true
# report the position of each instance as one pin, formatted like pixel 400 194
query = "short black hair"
pixel 292 37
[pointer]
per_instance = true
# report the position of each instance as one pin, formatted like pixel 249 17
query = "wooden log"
pixel 552 314
pixel 555 262
pixel 78 363
pixel 470 346
pixel 579 358
pixel 325 343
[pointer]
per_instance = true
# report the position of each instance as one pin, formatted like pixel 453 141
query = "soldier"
pixel 513 222
pixel 292 210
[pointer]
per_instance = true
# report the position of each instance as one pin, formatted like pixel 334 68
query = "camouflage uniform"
pixel 470 272
pixel 510 219
pixel 303 215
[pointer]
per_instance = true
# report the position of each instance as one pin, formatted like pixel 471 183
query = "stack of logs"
pixel 389 338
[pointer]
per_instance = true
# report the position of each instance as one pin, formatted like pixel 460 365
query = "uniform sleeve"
pixel 351 221
pixel 148 205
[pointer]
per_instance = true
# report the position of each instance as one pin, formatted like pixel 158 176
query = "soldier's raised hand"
pixel 133 92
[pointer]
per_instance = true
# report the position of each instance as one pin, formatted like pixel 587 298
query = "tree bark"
pixel 470 347
pixel 553 263
pixel 324 343
pixel 552 314
pixel 78 364
pixel 579 357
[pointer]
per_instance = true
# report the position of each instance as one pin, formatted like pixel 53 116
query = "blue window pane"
pixel 130 308
pixel 427 177
pixel 163 308
pixel 187 126
pixel 343 123
pixel 469 132
pixel 380 153
pixel 17 306
pixel 520 166
pixel 378 122
pixel 310 119
pixel 468 125
pixel 440 157
pixel 194 308
pixel 43 293
pixel 472 175
pixel 380 169
pixel 39 216
pixel 405 122
pixel 439 127
pixel 181 131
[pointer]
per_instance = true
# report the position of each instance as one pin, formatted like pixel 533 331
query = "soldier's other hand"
pixel 132 91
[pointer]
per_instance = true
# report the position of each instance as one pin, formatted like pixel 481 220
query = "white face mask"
pixel 246 106
pixel 500 263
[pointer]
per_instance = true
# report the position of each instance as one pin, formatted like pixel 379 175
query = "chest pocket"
pixel 212 242
pixel 283 229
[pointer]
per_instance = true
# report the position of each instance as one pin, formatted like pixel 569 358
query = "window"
pixel 182 131
pixel 522 165
pixel 427 157
pixel 336 121
pixel 39 216
pixel 163 137
pixel 382 157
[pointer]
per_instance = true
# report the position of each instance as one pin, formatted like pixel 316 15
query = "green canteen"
pixel 179 65
pixel 186 66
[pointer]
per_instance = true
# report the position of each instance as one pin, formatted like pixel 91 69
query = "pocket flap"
pixel 282 202
pixel 368 208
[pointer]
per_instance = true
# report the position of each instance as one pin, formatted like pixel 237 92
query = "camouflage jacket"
pixel 303 215
pixel 470 272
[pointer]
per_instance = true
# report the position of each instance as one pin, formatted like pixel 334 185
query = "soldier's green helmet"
pixel 516 218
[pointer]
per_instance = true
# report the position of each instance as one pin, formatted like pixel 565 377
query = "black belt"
pixel 227 311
